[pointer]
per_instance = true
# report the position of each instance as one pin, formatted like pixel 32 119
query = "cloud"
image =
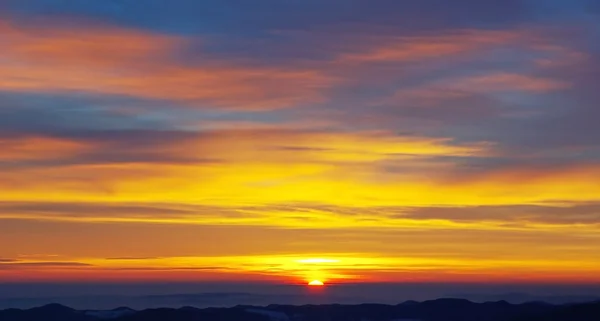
pixel 173 268
pixel 222 146
pixel 567 128
pixel 376 168
pixel 314 215
pixel 112 212
pixel 114 163
pixel 41 265
pixel 117 61
pixel 419 48
pixel 508 82
pixel 36 148
pixel 133 258
pixel 157 66
pixel 276 253
pixel 577 213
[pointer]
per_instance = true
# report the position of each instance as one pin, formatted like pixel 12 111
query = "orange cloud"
pixel 496 82
pixel 418 48
pixel 440 92
pixel 117 61
pixel 38 148
pixel 106 46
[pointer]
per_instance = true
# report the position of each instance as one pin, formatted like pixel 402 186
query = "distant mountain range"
pixel 433 310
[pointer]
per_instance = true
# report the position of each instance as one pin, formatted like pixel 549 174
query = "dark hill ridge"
pixel 433 310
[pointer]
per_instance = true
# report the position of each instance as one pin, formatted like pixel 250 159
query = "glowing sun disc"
pixel 316 283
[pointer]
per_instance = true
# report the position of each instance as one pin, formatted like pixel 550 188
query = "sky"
pixel 285 141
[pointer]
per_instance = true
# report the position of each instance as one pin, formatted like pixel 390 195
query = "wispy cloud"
pixel 111 60
pixel 508 82
pixel 132 258
pixel 19 265
pixel 420 48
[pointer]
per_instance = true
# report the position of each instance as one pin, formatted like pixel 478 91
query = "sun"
pixel 316 283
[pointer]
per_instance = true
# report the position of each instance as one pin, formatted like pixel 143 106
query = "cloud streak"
pixel 115 61
pixel 41 265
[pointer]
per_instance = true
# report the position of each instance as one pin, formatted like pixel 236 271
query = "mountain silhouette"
pixel 432 310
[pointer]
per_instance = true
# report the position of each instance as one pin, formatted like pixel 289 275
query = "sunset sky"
pixel 291 140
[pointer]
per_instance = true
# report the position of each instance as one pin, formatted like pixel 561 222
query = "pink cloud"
pixel 116 61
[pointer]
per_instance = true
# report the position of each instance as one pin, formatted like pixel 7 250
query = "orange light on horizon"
pixel 316 283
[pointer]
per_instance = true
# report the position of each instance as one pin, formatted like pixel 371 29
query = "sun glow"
pixel 316 283
pixel 317 261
